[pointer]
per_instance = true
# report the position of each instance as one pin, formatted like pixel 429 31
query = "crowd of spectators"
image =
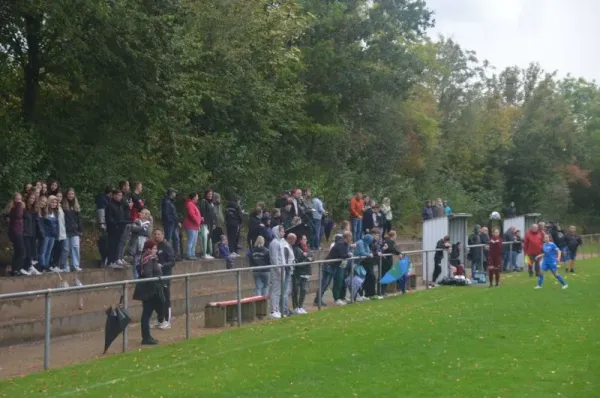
pixel 436 209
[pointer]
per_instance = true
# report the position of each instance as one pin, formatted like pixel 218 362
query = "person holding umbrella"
pixel 151 294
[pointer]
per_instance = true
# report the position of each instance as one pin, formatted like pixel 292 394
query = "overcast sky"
pixel 561 35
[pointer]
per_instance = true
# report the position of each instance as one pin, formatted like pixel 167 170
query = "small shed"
pixel 456 227
pixel 522 223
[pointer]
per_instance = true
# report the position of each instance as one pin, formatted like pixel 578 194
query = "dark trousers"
pixel 298 291
pixel 437 270
pixel 30 250
pixel 233 237
pixel 18 258
pixel 386 227
pixel 103 248
pixel 165 315
pixel 57 253
pixel 326 279
pixel 114 238
pixel 148 308
pixel 370 281
pixel 172 236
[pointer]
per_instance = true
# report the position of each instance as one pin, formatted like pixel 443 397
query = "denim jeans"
pixel 326 279
pixel 316 243
pixel 505 261
pixel 261 283
pixel 70 246
pixel 357 229
pixel 46 251
pixel 172 236
pixel 513 260
pixel 192 239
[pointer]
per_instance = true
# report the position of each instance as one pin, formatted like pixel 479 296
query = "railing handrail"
pixel 15 295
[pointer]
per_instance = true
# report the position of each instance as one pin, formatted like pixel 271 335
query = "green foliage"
pixel 254 97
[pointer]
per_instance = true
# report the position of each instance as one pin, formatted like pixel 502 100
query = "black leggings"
pixel 166 312
pixel 233 237
pixel 18 259
pixel 370 281
pixel 30 250
pixel 437 270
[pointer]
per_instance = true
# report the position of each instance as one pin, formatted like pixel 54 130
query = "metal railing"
pixel 48 293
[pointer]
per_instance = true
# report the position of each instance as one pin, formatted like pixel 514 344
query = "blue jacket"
pixel 50 227
pixel 169 213
pixel 363 246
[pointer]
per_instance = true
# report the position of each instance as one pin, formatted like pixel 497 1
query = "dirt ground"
pixel 23 359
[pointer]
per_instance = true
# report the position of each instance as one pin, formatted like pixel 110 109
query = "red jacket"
pixel 533 243
pixel 495 252
pixel 357 207
pixel 193 218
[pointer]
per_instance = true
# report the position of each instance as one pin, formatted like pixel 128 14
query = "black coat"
pixel 300 270
pixel 115 215
pixel 367 220
pixel 166 258
pixel 30 223
pixel 73 223
pixel 259 257
pixel 208 213
pixel 233 213
pixel 150 290
pixel 169 212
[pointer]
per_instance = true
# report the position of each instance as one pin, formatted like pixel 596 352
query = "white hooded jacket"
pixel 276 248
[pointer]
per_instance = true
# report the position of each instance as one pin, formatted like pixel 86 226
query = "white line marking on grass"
pixel 220 353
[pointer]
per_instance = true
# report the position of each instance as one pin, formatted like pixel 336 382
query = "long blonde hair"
pixel 260 242
pixel 49 209
pixel 67 205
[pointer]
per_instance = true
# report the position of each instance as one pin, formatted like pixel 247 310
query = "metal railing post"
pixel 379 269
pixel 352 281
pixel 187 307
pixel 426 269
pixel 319 291
pixel 124 304
pixel 47 325
pixel 238 276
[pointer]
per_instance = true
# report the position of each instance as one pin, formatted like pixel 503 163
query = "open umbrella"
pixel 399 269
pixel 117 320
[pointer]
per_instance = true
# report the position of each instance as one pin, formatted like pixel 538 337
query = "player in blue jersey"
pixel 550 259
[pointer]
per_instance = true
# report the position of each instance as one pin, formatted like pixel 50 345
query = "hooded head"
pixel 277 232
pixel 476 229
pixel 368 239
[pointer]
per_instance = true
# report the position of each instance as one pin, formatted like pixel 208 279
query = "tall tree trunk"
pixel 31 76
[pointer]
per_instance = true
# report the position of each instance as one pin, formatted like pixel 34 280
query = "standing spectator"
pixel 507 249
pixel 277 218
pixel 102 201
pixel 517 249
pixel 259 257
pixel 427 212
pixel 447 209
pixel 318 214
pixel 442 245
pixel 357 208
pixel 166 259
pixel 288 214
pixel 14 214
pixel 475 253
pixel 533 246
pixel 289 260
pixel 127 205
pixel 54 188
pixel 368 220
pixel 192 222
pixel 151 294
pixel 73 229
pixel 389 249
pixel 484 238
pixel 141 230
pixel 299 204
pixel 170 220
pixel 30 231
pixel 386 216
pixel 225 252
pixel 138 202
pixel 254 225
pixel 115 224
pixel 363 249
pixel 57 251
pixel 438 209
pixel 208 213
pixel 573 241
pixel 49 229
pixel 282 201
pixel 301 274
pixel 277 258
pixel 495 257
pixel 219 221
pixel 233 219
pixel 511 211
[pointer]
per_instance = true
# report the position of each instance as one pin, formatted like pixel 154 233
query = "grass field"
pixel 511 341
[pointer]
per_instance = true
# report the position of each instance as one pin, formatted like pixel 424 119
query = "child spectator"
pixel 49 231
pixel 73 230
pixel 259 257
pixel 30 232
pixel 225 253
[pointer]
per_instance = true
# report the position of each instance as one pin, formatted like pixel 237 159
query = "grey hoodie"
pixel 276 248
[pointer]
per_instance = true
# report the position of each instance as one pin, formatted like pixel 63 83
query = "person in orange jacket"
pixel 357 208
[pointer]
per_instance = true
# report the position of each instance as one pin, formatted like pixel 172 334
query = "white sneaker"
pixel 340 302
pixel 77 269
pixel 55 269
pixel 379 297
pixel 302 311
pixel 361 299
pixel 34 262
pixel 66 270
pixel 208 257
pixel 348 300
pixel 33 271
pixel 122 263
pixel 276 315
pixel 537 287
pixel 24 272
pixel 297 311
pixel 234 255
pixel 565 286
pixel 165 325
pixel 115 266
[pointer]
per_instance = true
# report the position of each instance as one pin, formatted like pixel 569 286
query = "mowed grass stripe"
pixel 463 342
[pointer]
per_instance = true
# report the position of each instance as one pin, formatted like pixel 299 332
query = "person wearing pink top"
pixel 192 222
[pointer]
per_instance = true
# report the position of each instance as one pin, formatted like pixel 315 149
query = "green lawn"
pixel 511 341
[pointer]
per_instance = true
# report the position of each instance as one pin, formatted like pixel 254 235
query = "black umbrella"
pixel 117 320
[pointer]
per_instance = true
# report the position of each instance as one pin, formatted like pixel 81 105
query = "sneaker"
pixel 302 311
pixel 276 315
pixel 33 262
pixel 55 269
pixel 33 271
pixel 24 272
pixel 361 299
pixel 66 270
pixel 193 258
pixel 150 341
pixel 122 263
pixel 537 287
pixel 164 325
pixel 115 266
pixel 378 297
pixel 77 269
pixel 340 302
pixel 348 300
pixel 565 286
pixel 208 257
